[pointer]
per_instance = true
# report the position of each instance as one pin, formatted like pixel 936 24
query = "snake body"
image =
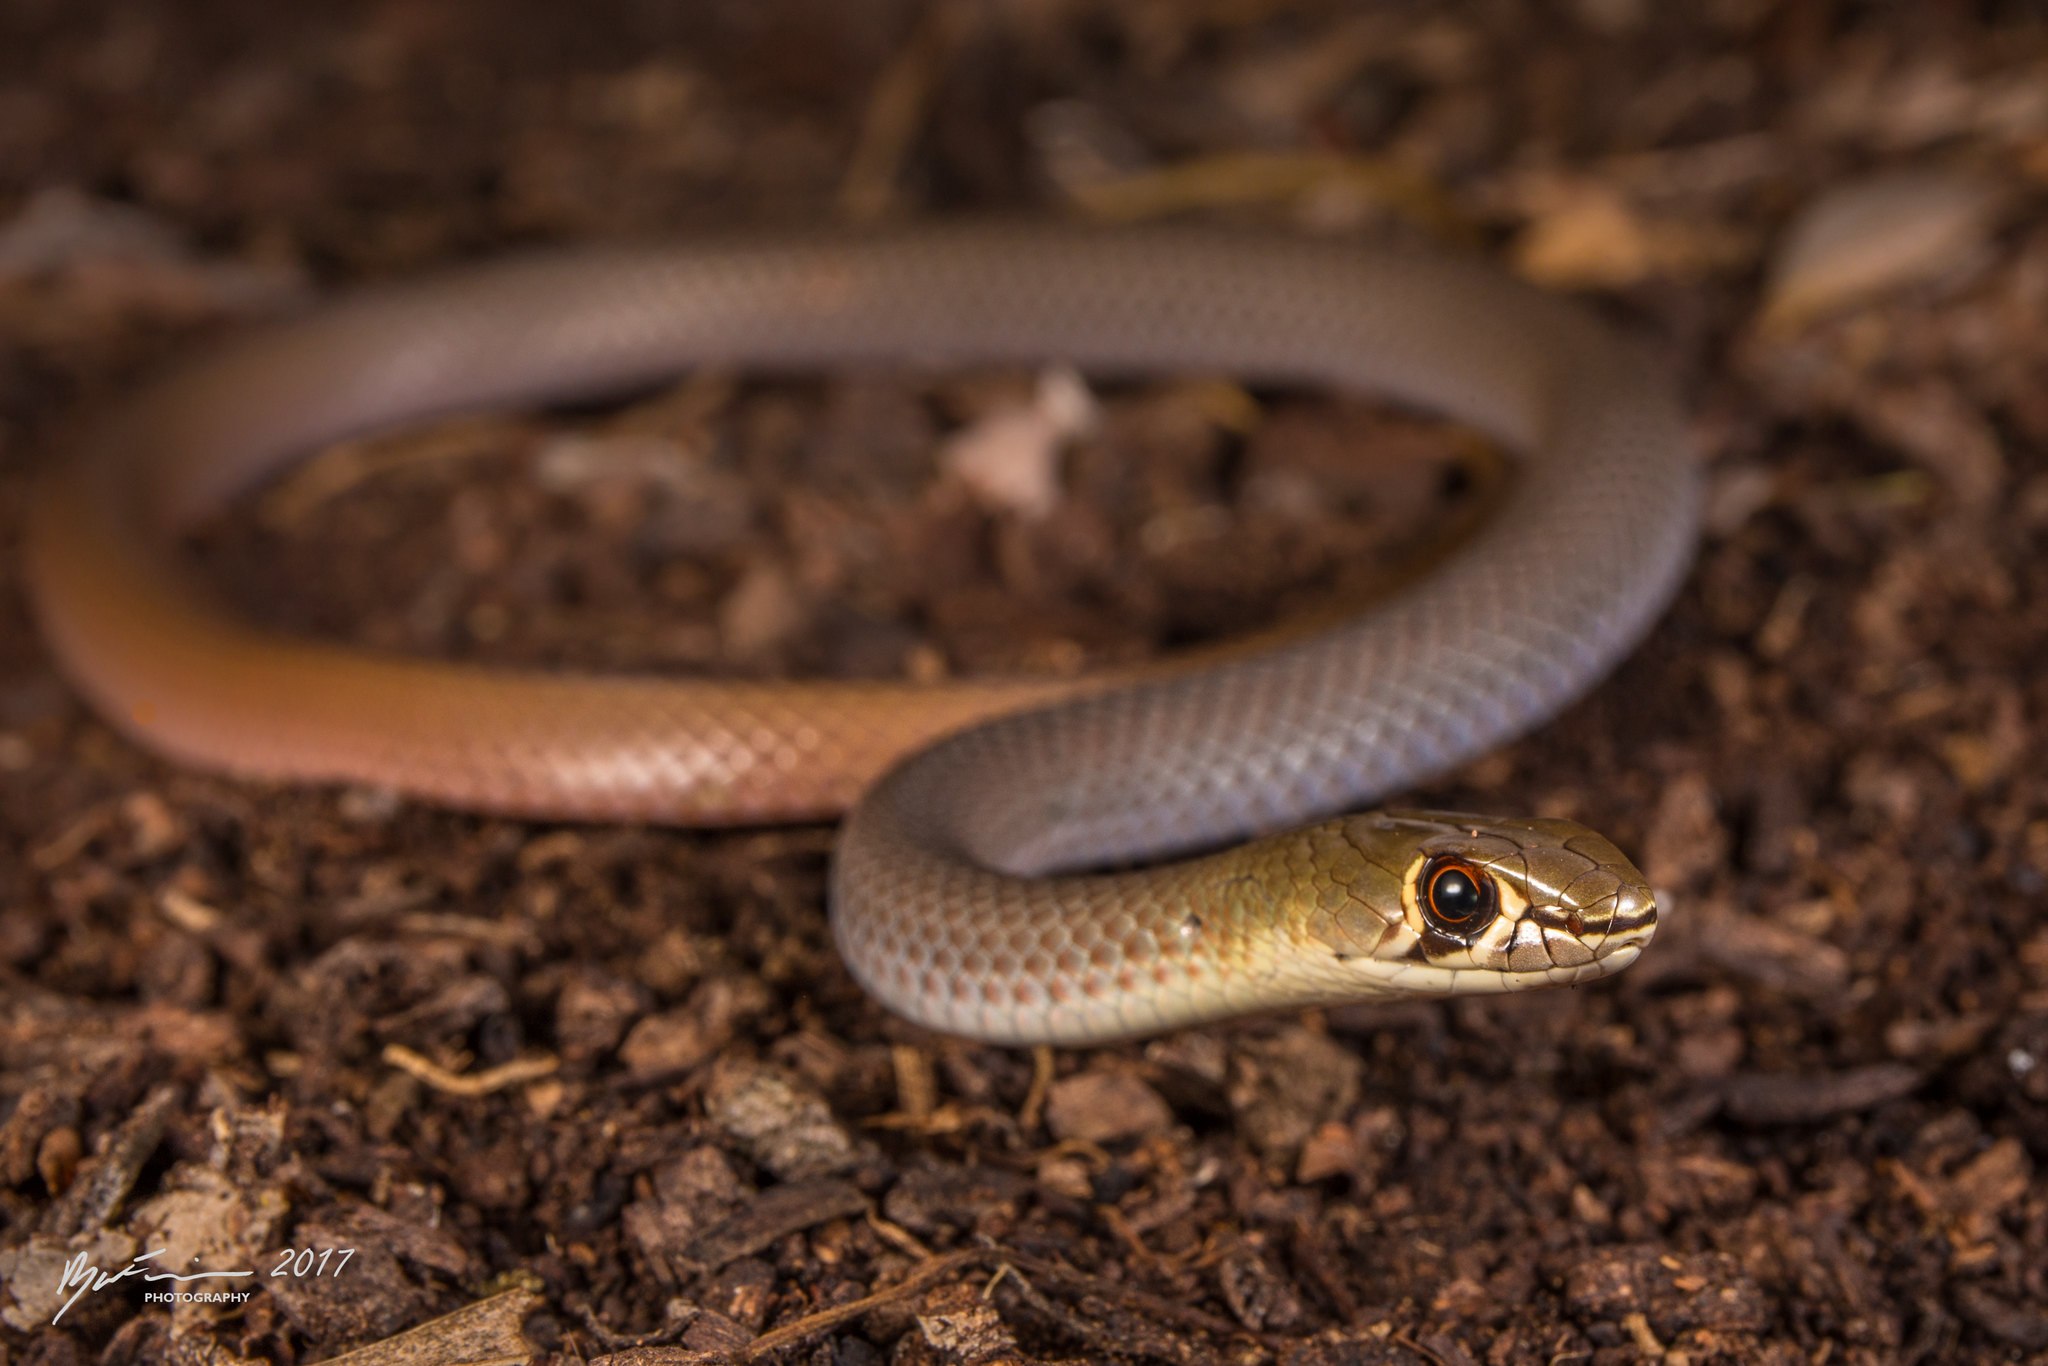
pixel 954 895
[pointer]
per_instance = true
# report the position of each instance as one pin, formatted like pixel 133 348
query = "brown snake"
pixel 954 899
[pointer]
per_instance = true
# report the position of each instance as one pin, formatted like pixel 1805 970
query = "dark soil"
pixel 610 1088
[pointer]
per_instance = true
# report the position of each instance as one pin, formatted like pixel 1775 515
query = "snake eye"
pixel 1458 900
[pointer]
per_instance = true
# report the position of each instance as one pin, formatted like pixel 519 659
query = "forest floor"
pixel 610 1088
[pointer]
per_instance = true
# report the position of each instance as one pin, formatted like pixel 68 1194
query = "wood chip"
pixel 1104 1107
pixel 776 1212
pixel 1769 1098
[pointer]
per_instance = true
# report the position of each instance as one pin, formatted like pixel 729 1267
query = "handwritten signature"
pixel 87 1278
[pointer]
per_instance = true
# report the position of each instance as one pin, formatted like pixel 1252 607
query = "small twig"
pixel 511 936
pixel 72 840
pixel 1033 1108
pixel 1420 1348
pixel 1134 1245
pixel 897 1236
pixel 471 1084
pixel 1141 1301
pixel 811 1325
pixel 676 1317
pixel 1004 1264
pixel 352 463
pixel 1314 1255
pixel 917 1090
pixel 1019 1271
pixel 896 112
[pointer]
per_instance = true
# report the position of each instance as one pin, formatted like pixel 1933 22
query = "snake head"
pixel 1442 902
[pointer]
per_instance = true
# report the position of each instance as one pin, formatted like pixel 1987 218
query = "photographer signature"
pixel 86 1277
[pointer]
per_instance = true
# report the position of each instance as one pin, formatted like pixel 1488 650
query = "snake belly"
pixel 955 898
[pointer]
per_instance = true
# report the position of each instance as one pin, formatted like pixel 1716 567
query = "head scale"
pixel 1437 902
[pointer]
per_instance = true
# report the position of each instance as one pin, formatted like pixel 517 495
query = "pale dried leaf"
pixel 1008 461
pixel 1870 236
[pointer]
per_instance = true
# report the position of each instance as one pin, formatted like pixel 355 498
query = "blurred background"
pixel 609 1089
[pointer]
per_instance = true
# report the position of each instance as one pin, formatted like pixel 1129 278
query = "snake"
pixel 1021 860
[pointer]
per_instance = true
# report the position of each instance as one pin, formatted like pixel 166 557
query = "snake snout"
pixel 1635 911
pixel 1589 907
pixel 1621 921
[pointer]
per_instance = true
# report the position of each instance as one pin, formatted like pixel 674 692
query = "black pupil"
pixel 1454 895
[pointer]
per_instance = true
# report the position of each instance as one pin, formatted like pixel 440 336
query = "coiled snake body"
pixel 950 897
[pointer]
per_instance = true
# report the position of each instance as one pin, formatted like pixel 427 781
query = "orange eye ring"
pixel 1458 898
